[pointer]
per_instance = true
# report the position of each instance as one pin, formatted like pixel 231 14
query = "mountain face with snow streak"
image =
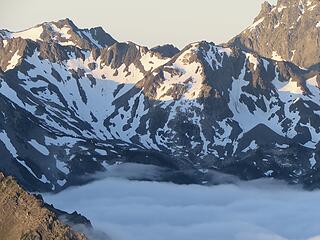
pixel 65 33
pixel 75 102
pixel 288 31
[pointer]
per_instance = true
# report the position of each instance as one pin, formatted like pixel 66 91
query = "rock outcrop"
pixel 24 216
pixel 288 31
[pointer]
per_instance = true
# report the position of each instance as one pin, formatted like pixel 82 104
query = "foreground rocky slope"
pixel 70 108
pixel 25 217
pixel 289 31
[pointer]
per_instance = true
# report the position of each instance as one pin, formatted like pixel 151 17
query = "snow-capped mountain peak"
pixel 286 31
pixel 86 102
pixel 65 33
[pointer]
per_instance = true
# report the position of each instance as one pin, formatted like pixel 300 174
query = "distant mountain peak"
pixel 265 8
pixel 289 30
pixel 167 50
pixel 64 32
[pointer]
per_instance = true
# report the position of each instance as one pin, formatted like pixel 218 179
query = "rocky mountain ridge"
pixel 289 30
pixel 78 104
pixel 26 217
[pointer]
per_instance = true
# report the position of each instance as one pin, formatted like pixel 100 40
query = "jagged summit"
pixel 167 50
pixel 265 9
pixel 289 31
pixel 64 32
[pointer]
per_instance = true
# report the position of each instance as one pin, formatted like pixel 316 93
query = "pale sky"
pixel 145 22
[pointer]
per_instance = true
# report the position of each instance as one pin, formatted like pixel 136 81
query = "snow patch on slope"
pixel 40 148
pixel 13 61
pixel 255 24
pixel 253 60
pixel 276 56
pixel 6 141
pixel 32 34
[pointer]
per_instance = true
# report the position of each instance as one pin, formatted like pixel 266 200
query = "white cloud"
pixel 259 210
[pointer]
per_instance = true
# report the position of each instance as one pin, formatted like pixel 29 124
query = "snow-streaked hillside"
pixel 72 105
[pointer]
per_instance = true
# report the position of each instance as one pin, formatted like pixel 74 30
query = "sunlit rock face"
pixel 289 31
pixel 27 217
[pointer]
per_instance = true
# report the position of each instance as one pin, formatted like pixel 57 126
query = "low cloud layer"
pixel 259 210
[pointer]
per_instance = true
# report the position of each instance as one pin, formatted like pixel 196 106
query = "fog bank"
pixel 258 210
